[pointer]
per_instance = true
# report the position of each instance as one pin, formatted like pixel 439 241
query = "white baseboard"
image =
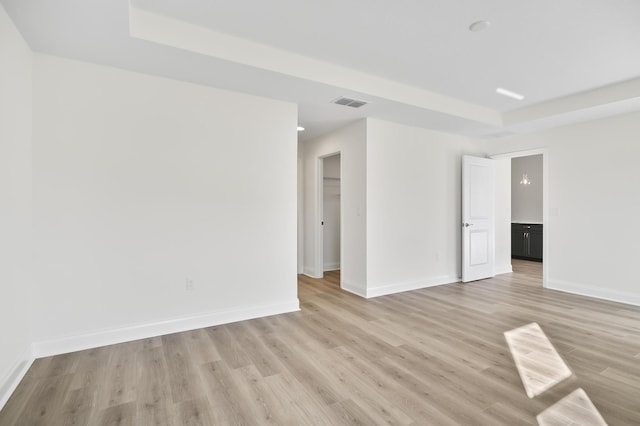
pixel 310 272
pixel 144 331
pixel 597 292
pixel 333 266
pixel 504 270
pixel 410 285
pixel 11 380
pixel 355 289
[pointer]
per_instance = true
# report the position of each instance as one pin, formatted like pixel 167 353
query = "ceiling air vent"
pixel 353 103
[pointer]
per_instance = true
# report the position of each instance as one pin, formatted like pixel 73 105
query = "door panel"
pixel 478 234
pixel 478 247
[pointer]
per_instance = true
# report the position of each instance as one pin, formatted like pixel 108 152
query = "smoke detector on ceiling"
pixel 479 26
pixel 353 103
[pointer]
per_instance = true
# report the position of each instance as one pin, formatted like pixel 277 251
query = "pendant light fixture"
pixel 525 180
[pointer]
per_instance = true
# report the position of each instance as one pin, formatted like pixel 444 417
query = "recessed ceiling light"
pixel 300 128
pixel 479 26
pixel 509 94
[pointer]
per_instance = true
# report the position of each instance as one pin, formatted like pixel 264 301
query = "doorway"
pixel 331 213
pixel 524 239
pixel 527 221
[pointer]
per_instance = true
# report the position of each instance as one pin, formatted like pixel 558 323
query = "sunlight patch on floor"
pixel 574 409
pixel 539 364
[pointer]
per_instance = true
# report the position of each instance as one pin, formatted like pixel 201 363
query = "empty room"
pixel 342 212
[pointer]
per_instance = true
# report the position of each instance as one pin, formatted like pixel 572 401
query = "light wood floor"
pixel 435 356
pixel 529 269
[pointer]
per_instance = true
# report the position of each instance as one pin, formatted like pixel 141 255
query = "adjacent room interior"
pixel 231 213
pixel 331 213
pixel 526 214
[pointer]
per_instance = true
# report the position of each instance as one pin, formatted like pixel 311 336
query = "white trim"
pixel 506 270
pixel 319 228
pixel 12 379
pixel 310 272
pixel 355 289
pixel 410 285
pixel 332 266
pixel 144 331
pixel 300 211
pixel 518 154
pixel 596 292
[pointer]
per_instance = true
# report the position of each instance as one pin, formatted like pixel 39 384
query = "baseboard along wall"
pixel 596 292
pixel 12 379
pixel 144 331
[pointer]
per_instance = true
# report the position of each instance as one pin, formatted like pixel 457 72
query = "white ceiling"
pixel 415 60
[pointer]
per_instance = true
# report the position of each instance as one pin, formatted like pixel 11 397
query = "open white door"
pixel 478 233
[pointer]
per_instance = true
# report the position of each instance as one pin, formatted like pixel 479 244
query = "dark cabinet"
pixel 517 241
pixel 526 241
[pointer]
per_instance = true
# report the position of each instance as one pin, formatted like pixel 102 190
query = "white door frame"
pixel 545 202
pixel 319 229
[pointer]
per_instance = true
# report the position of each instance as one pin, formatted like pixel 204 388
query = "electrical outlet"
pixel 189 285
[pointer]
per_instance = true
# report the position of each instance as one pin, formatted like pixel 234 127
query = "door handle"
pixel 466 225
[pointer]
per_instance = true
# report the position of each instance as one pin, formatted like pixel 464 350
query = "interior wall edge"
pixel 506 270
pixel 595 292
pixel 331 266
pixel 310 272
pixel 16 205
pixel 354 289
pixel 12 379
pixel 399 287
pixel 100 338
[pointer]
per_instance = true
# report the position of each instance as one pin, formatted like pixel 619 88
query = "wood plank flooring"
pixel 435 356
pixel 529 269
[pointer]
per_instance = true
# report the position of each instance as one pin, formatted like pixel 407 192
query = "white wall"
pixel 592 204
pixel 331 166
pixel 526 200
pixel 142 183
pixel 15 205
pixel 413 207
pixel 350 142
